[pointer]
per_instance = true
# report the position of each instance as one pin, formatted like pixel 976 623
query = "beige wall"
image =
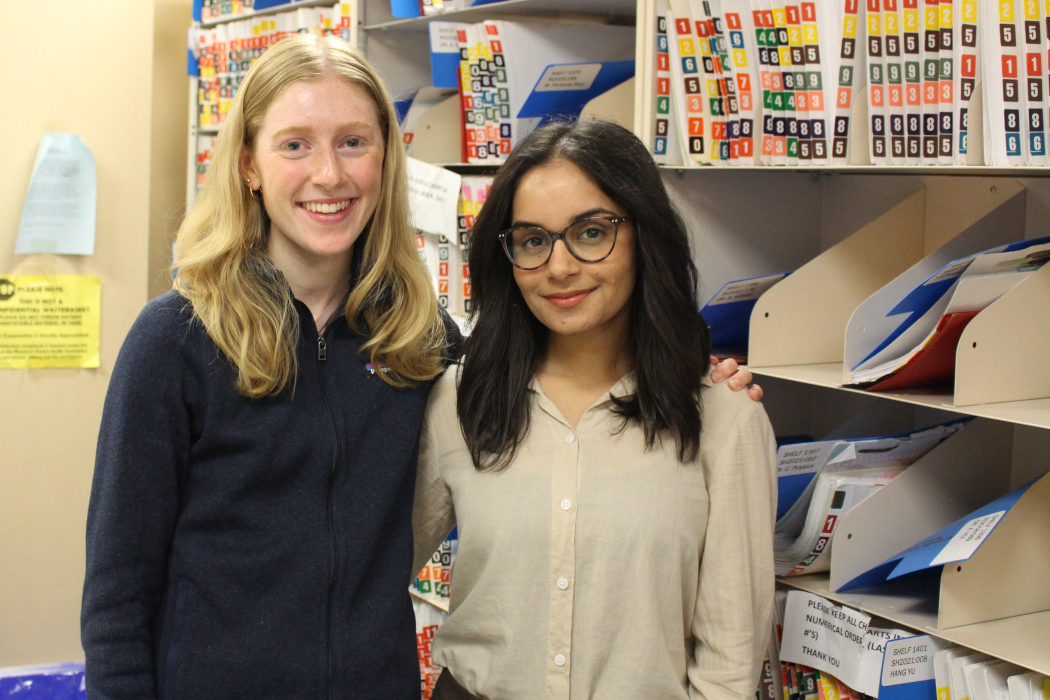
pixel 124 92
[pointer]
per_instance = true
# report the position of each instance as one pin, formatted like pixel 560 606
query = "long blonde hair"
pixel 237 294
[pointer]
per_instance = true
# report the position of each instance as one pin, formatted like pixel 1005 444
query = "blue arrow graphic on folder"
pixel 922 556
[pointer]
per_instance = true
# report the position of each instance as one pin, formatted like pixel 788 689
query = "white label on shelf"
pixel 443 37
pixel 575 76
pixel 910 660
pixel 744 290
pixel 966 541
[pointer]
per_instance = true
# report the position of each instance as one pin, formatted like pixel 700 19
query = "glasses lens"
pixel 591 239
pixel 528 246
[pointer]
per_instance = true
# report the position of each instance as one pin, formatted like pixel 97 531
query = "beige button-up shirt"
pixel 594 568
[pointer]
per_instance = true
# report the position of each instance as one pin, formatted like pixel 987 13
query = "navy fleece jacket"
pixel 250 548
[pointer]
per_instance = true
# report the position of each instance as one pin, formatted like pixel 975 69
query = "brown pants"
pixel 448 688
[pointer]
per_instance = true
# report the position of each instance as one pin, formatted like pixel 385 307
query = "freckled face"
pixel 318 162
pixel 566 295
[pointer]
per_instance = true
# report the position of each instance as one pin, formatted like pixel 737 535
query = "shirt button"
pixel 563 583
pixel 569 439
pixel 559 659
pixel 566 504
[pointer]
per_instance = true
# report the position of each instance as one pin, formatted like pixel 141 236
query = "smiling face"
pixel 568 296
pixel 318 163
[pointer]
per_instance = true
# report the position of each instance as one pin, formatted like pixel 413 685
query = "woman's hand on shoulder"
pixel 739 377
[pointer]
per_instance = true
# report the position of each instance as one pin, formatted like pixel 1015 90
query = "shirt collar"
pixel 625 386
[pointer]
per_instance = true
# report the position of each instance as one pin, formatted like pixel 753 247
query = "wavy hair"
pixel 237 294
pixel 669 341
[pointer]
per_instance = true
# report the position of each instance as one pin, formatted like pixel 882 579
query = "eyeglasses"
pixel 589 240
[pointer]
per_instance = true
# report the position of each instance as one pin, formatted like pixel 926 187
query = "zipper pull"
pixel 322 348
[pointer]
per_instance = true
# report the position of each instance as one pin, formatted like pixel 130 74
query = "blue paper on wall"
pixel 565 88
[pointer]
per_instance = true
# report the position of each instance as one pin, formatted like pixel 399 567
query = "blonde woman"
pixel 249 532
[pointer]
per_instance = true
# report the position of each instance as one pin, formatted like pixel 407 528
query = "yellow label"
pixel 969 10
pixel 849 26
pixel 911 20
pixel 811 35
pixel 944 693
pixel 1006 10
pixel 932 18
pixel 740 58
pixel 946 16
pixel 794 36
pixel 780 18
pixel 874 25
pixel 1046 689
pixel 49 321
pixel 705 48
pixel 685 47
pixel 1031 9
pixel 890 19
pixel 712 88
pixel 785 56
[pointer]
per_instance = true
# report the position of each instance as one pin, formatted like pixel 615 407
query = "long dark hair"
pixel 669 341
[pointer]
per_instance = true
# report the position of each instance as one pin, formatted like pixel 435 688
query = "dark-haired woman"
pixel 615 509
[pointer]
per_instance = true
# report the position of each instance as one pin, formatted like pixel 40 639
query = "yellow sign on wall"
pixel 49 321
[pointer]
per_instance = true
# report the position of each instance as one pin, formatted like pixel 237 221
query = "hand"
pixel 739 377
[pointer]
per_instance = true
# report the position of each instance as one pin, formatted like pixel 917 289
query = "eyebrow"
pixel 583 215
pixel 302 128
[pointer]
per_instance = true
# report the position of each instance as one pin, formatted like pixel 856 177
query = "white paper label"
pixel 803 458
pixel 576 76
pixel 910 660
pixel 835 639
pixel 444 37
pixel 432 196
pixel 966 541
pixel 744 290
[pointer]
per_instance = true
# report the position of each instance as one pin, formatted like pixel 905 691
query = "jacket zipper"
pixel 322 356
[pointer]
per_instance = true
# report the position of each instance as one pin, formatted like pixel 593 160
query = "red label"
pixel 968 67
pixel 1009 67
pixel 829 524
pixel 1034 63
